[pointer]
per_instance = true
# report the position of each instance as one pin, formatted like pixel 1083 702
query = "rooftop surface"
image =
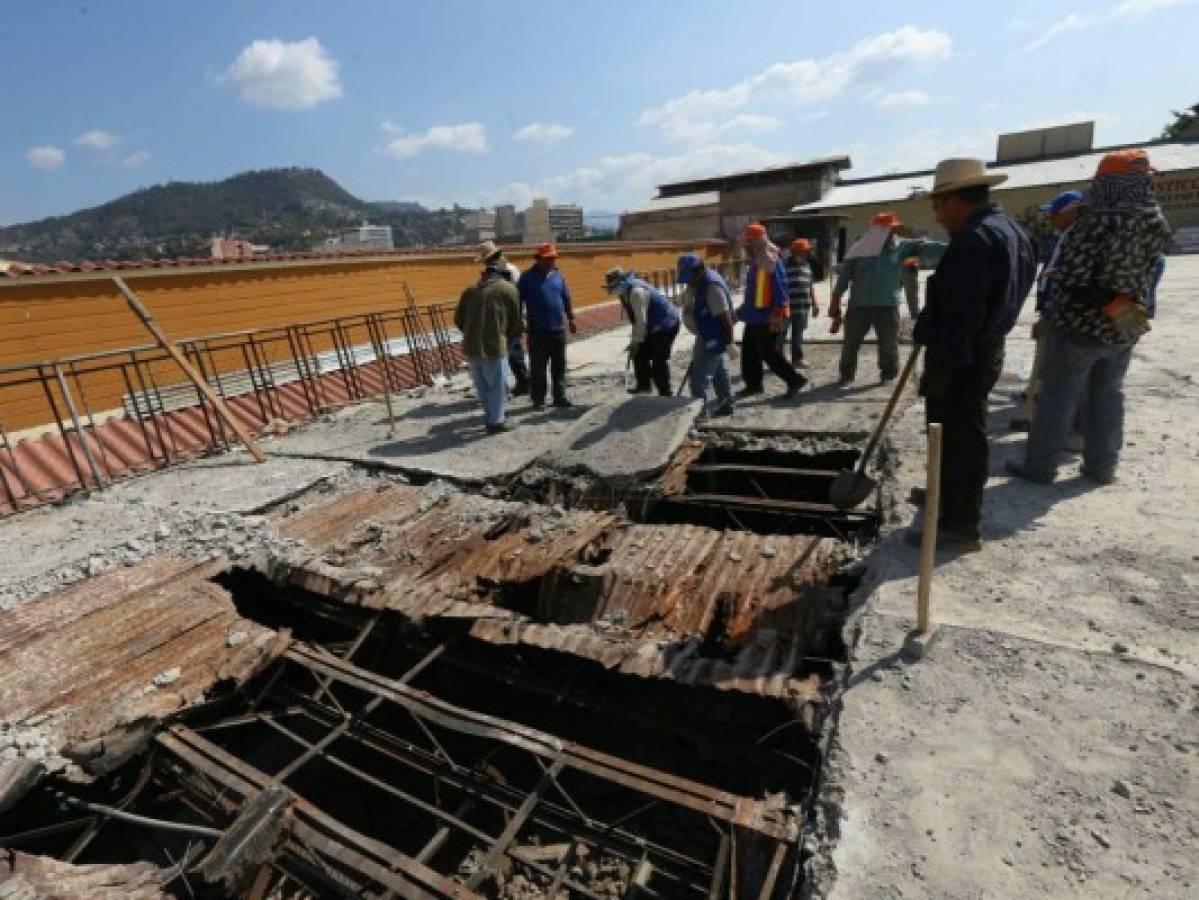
pixel 1046 747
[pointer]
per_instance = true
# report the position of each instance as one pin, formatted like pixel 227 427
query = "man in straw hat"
pixel 1103 277
pixel 546 300
pixel 870 273
pixel 488 315
pixel 971 302
pixel 517 362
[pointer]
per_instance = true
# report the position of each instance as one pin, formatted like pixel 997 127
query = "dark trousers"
pixel 858 322
pixel 651 362
pixel 547 347
pixel 759 345
pixel 958 400
pixel 517 362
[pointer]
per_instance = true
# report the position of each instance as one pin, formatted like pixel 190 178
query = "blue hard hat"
pixel 1062 201
pixel 688 265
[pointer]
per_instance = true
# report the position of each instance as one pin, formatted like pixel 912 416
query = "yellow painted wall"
pixel 52 317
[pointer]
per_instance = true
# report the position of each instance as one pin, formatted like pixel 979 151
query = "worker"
pixel 488 315
pixel 870 272
pixel 801 295
pixel 764 311
pixel 1062 211
pixel 517 362
pixel 546 302
pixel 972 301
pixel 708 314
pixel 1103 278
pixel 655 326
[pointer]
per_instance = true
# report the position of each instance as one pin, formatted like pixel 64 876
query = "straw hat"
pixel 487 249
pixel 956 174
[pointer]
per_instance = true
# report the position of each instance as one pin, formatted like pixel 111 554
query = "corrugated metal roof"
pixel 1041 173
pixel 733 610
pixel 683 201
pixel 132 645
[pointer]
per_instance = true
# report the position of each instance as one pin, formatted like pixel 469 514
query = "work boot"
pixel 1104 478
pixel 795 387
pixel 521 389
pixel 562 403
pixel 947 539
pixel 498 427
pixel 748 392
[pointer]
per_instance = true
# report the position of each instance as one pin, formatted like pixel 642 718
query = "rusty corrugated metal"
pixel 731 610
pixel 79 663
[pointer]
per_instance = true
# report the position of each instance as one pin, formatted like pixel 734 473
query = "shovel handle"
pixel 900 384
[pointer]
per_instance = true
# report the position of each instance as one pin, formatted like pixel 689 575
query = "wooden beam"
pixel 201 384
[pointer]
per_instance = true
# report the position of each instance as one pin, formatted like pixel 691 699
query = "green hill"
pixel 288 209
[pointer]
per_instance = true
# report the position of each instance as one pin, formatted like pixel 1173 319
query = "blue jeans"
pixel 796 326
pixel 708 368
pixel 1078 369
pixel 491 384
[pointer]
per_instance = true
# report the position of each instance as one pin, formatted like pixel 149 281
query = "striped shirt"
pixel 799 284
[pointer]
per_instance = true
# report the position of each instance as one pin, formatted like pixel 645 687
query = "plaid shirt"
pixel 799 284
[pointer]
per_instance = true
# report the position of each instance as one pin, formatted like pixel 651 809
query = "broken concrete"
pixel 627 439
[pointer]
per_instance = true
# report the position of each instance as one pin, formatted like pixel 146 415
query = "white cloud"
pixel 545 134
pixel 46 157
pixel 1126 10
pixel 467 137
pixel 275 74
pixel 98 139
pixel 137 159
pixel 694 115
pixel 903 100
pixel 620 180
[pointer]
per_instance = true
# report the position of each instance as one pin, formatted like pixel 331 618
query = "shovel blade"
pixel 850 489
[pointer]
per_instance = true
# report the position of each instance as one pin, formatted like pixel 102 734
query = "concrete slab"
pixel 1046 745
pixel 627 439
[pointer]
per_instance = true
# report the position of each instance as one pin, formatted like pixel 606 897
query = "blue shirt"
pixel 874 280
pixel 978 289
pixel 546 300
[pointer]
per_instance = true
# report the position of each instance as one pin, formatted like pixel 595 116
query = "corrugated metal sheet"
pixel 1165 158
pixel 79 663
pixel 26 877
pixel 682 201
pixel 733 610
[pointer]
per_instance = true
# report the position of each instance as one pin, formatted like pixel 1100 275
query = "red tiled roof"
pixel 20 269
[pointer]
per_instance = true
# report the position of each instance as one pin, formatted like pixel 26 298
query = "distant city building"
pixel 566 222
pixel 536 228
pixel 367 237
pixel 232 248
pixel 507 226
pixel 480 226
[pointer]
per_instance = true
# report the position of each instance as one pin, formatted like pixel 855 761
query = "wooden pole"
pixel 201 385
pixel 928 542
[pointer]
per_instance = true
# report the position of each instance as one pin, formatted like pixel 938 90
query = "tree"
pixel 1185 124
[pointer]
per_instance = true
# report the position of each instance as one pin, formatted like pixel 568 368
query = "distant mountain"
pixel 287 209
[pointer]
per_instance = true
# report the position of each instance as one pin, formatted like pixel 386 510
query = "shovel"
pixel 850 488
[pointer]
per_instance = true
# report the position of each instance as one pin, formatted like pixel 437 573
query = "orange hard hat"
pixel 912 262
pixel 801 245
pixel 886 219
pixel 1125 162
pixel 547 251
pixel 754 230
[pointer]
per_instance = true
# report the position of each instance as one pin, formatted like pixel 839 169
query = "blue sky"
pixel 588 102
